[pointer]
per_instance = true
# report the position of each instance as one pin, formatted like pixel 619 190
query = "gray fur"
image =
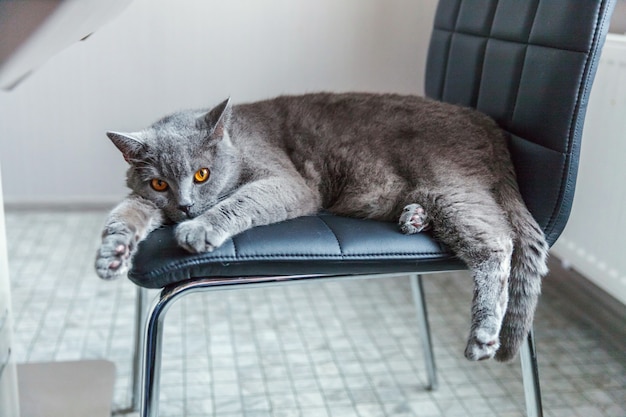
pixel 361 155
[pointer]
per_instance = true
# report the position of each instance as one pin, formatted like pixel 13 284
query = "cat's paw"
pixel 482 344
pixel 198 236
pixel 114 255
pixel 413 219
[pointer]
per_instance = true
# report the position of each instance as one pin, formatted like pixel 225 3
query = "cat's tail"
pixel 528 266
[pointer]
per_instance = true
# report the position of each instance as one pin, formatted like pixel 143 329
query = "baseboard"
pixel 580 298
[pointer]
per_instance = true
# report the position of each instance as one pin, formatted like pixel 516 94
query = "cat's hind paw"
pixel 482 345
pixel 413 219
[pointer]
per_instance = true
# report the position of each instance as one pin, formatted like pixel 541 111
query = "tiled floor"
pixel 342 349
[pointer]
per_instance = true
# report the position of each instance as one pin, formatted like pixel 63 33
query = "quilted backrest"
pixel 530 65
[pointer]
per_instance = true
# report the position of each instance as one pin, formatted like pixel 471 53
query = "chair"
pixel 529 64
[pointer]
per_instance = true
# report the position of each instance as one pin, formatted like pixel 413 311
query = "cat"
pixel 221 171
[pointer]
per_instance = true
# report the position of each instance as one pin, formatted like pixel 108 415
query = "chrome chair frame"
pixel 149 323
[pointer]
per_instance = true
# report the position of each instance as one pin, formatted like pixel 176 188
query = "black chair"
pixel 529 64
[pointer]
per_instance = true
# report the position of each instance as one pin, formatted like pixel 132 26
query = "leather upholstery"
pixel 322 244
pixel 529 64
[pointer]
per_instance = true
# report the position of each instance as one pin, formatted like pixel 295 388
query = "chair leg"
pixel 140 318
pixel 530 375
pixel 151 353
pixel 135 383
pixel 424 328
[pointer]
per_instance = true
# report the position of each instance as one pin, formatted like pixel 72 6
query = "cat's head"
pixel 184 163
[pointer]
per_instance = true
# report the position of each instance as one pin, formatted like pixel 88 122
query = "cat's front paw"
pixel 198 236
pixel 413 219
pixel 114 255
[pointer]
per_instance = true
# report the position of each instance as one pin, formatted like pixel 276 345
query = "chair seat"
pixel 323 244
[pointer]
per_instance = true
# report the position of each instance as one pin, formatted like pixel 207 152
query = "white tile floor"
pixel 344 349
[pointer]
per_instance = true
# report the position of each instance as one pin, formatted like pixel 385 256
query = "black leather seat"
pixel 314 245
pixel 529 64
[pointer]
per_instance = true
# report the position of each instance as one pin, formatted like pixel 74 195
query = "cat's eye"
pixel 158 185
pixel 201 175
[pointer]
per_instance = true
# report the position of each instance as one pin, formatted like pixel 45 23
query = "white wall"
pixel 164 55
pixel 593 241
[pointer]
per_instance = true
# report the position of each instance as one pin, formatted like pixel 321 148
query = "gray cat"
pixel 387 157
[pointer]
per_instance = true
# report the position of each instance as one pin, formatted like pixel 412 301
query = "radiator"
pixel 594 241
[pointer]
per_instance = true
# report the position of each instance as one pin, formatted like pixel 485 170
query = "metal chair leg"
pixel 152 352
pixel 530 375
pixel 135 383
pixel 151 348
pixel 424 328
pixel 140 318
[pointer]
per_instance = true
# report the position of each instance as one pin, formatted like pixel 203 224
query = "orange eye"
pixel 201 175
pixel 158 185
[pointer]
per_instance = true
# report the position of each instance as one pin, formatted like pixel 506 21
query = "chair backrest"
pixel 530 65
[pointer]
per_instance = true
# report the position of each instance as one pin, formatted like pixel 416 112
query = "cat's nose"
pixel 185 207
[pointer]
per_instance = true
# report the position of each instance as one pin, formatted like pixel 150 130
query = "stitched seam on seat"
pixel 234 240
pixel 480 75
pixel 356 256
pixel 484 52
pixel 519 83
pixel 535 143
pixel 532 26
pixel 495 38
pixel 290 257
pixel 450 41
pixel 444 79
pixel 334 235
pixel 521 74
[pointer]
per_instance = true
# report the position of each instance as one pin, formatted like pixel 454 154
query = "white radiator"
pixel 594 241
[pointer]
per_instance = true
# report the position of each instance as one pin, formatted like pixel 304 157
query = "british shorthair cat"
pixel 387 157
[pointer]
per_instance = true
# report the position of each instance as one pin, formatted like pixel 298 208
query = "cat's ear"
pixel 130 146
pixel 216 121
